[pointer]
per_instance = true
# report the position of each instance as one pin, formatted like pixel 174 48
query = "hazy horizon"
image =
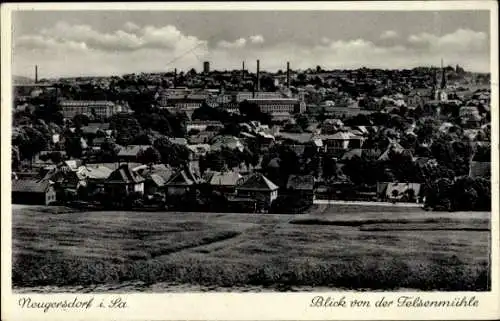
pixel 105 43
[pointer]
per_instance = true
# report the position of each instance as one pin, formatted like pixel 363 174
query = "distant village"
pixel 254 141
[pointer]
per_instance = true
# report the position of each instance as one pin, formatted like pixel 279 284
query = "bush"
pixel 464 194
pixel 288 204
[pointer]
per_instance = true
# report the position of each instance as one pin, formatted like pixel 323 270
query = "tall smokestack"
pixel 36 74
pixel 175 77
pixel 287 74
pixel 258 75
pixel 242 74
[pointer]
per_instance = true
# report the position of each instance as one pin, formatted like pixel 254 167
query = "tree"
pixel 438 194
pixel 410 195
pixel 463 194
pixel 56 157
pixel 109 151
pixel 126 126
pixel 329 168
pixel 149 156
pixel 73 145
pixel 173 154
pixel 15 158
pixel 358 120
pixel 30 142
pixel 81 120
pixel 144 138
pixel 142 102
pixel 303 121
pixel 251 111
pixel 267 83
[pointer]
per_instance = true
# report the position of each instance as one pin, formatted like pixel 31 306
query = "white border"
pixel 272 306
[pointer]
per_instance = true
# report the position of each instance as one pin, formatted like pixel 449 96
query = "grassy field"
pixel 334 246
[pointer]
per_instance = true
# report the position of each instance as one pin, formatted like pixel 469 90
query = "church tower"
pixel 443 76
pixel 440 93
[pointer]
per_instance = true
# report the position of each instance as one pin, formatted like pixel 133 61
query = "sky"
pixel 86 43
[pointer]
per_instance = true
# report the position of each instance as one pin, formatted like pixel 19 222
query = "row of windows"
pixel 277 108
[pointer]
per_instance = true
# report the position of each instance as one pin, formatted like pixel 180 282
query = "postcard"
pixel 250 161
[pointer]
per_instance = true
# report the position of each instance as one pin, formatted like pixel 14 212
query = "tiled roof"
pixel 393 146
pixel 132 150
pixel 256 182
pixel 230 142
pixel 93 128
pixel 184 177
pixel 158 170
pixel 30 186
pixel 339 136
pixel 157 179
pixel 96 171
pixel 222 178
pixel 178 140
pixel 124 174
pixel 300 138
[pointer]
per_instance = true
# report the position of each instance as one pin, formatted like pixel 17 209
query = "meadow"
pixel 333 247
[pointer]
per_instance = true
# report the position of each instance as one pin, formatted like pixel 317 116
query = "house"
pixel 156 176
pixel 417 98
pixel 201 138
pixel 480 164
pixel 131 153
pixel 361 153
pixel 225 141
pixel 178 140
pixel 469 116
pixel 394 147
pixel 203 125
pixel 341 141
pixel 95 176
pixel 187 102
pixel 301 186
pixel 331 126
pixel 33 192
pixel 182 182
pixel 198 150
pixel 102 109
pixel 257 186
pixel 67 182
pixel 224 182
pixel 98 141
pixel 273 105
pixel 93 129
pixel 124 182
pixel 301 138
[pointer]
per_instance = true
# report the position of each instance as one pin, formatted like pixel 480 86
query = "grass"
pixel 330 247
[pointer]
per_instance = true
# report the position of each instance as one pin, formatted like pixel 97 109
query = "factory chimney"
pixel 36 74
pixel 175 77
pixel 258 75
pixel 287 74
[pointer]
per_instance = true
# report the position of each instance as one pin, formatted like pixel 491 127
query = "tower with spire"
pixel 440 93
pixel 443 76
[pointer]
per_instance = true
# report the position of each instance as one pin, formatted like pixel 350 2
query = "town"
pixel 251 140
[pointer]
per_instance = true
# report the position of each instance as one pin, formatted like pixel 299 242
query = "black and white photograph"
pixel 251 151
